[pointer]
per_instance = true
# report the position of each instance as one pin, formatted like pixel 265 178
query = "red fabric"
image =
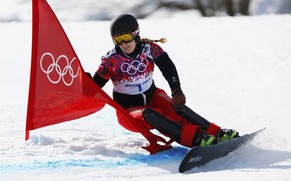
pixel 161 103
pixel 213 129
pixel 187 134
pixel 59 88
pixel 136 113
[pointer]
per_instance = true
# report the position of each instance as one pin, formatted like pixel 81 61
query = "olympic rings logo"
pixel 134 67
pixel 67 70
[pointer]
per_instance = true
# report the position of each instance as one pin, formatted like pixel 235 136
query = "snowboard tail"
pixel 198 156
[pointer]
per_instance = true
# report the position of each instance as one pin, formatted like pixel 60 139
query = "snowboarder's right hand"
pixel 178 99
pixel 89 75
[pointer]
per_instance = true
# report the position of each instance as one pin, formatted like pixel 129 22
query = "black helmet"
pixel 124 23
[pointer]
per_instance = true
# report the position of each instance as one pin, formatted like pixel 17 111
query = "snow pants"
pixel 161 103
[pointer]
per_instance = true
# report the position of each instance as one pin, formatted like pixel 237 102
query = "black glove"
pixel 178 99
pixel 89 75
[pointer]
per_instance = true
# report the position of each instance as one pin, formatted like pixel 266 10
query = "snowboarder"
pixel 130 66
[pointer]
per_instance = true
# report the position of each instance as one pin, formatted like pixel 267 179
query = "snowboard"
pixel 198 156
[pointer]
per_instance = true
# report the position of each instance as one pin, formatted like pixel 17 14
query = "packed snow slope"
pixel 236 72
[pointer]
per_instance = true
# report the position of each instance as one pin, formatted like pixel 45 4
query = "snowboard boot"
pixel 226 134
pixel 203 139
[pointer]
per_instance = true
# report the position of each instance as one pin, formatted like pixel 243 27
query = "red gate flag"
pixel 60 90
pixel 57 92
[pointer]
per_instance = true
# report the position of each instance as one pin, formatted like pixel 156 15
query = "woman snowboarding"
pixel 130 66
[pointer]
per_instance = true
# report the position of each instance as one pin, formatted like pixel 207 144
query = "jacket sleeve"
pixel 100 81
pixel 168 70
pixel 103 73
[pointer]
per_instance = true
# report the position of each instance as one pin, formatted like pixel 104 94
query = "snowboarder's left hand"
pixel 178 99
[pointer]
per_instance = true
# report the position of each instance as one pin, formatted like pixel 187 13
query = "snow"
pixel 234 71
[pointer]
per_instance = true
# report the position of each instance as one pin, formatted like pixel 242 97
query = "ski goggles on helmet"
pixel 124 38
